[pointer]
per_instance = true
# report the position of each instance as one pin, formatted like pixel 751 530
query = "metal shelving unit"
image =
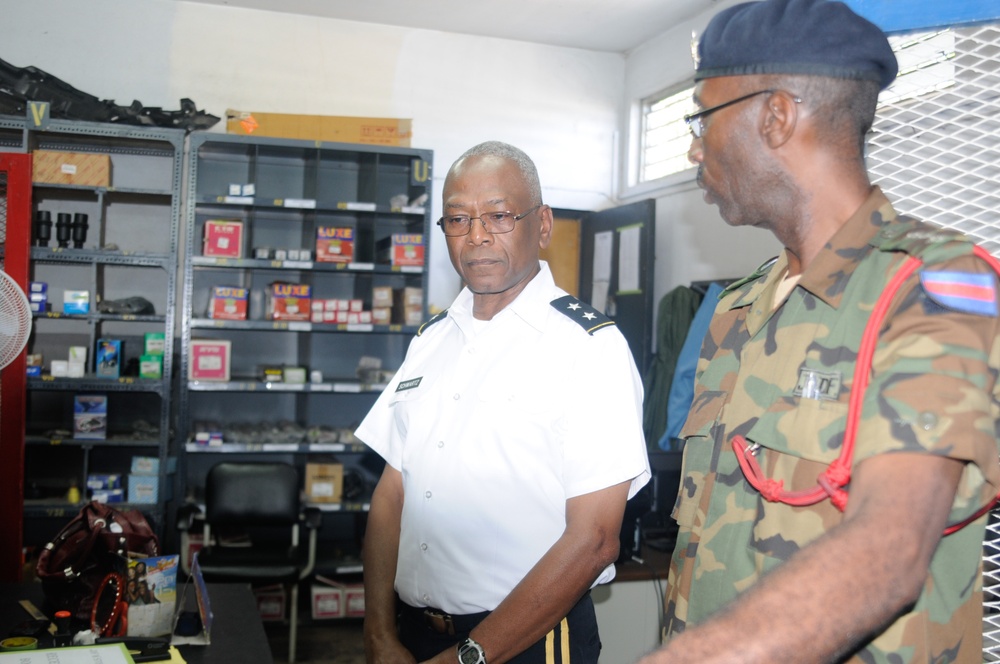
pixel 131 249
pixel 298 186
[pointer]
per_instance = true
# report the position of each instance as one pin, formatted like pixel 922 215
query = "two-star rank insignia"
pixel 581 313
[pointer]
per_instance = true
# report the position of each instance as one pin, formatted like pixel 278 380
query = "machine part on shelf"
pixel 322 435
pixel 43 228
pixel 79 229
pixel 19 85
pixel 64 229
pixel 135 305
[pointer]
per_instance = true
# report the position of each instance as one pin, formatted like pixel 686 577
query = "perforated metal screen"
pixel 935 152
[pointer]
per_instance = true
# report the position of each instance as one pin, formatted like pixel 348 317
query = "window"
pixel 665 137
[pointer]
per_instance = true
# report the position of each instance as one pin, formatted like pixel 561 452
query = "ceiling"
pixel 596 25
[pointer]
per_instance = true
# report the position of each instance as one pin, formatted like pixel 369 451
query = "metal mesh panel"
pixel 935 152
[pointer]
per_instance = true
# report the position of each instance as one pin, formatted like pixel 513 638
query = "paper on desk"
pixel 110 653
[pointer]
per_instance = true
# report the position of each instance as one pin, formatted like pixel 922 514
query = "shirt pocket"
pixel 796 447
pixel 699 450
pixel 406 405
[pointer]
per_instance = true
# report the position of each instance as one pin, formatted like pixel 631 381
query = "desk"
pixel 237 634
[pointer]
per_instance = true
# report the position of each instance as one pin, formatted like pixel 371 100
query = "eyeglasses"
pixel 495 223
pixel 697 127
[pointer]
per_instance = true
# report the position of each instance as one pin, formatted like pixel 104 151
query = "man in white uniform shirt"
pixel 512 436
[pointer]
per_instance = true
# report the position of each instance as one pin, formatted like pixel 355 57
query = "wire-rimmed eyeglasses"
pixel 495 223
pixel 697 127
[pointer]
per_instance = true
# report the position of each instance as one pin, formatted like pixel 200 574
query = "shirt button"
pixel 423 546
pixel 427 598
pixel 927 420
pixel 457 396
pixel 427 494
pixel 440 443
pixel 472 350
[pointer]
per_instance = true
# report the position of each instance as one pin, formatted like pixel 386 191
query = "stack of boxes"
pixel 397 306
pixel 105 487
pixel 151 360
pixel 401 249
pixel 228 303
pixel 289 301
pixel 340 311
pixel 331 599
pixel 144 479
pixel 38 296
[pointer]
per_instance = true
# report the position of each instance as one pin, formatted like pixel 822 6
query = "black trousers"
pixel 575 640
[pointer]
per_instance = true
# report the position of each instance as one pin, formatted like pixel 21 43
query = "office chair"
pixel 264 498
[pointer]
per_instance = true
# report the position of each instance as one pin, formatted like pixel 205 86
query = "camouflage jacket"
pixel 782 378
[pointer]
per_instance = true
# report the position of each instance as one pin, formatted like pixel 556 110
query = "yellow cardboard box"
pixel 334 128
pixel 324 482
pixel 79 168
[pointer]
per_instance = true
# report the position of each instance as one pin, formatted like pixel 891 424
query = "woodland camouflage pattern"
pixel 933 389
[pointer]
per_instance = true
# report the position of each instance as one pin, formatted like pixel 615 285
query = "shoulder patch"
pixel 581 313
pixel 764 268
pixel 433 319
pixel 967 292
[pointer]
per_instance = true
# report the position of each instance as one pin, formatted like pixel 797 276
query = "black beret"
pixel 813 37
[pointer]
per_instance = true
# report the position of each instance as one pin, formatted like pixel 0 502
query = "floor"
pixel 327 642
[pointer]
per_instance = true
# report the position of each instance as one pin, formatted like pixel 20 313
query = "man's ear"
pixel 545 230
pixel 782 116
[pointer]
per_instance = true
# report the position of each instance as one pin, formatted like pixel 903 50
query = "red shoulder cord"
pixel 837 475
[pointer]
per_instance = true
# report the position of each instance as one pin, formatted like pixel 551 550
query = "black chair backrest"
pixel 265 494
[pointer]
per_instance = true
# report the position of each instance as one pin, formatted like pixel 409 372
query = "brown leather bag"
pixel 95 542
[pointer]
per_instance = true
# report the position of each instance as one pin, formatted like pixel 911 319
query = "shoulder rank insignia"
pixel 430 321
pixel 968 292
pixel 581 313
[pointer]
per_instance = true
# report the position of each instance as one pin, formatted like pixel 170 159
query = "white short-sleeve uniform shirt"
pixel 494 426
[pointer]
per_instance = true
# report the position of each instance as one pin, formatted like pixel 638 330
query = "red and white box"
pixel 223 237
pixel 327 599
pixel 228 303
pixel 354 600
pixel 289 301
pixel 402 249
pixel 334 244
pixel 270 602
pixel 210 359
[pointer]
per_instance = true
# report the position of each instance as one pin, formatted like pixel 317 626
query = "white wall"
pixel 562 106
pixel 692 241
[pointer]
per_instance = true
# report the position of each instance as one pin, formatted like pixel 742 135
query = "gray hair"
pixel 514 155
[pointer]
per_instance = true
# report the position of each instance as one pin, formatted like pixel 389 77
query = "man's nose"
pixel 478 233
pixel 694 152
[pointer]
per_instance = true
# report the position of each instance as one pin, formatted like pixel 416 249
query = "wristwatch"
pixel 470 652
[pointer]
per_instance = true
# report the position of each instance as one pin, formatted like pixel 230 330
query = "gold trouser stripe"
pixel 550 642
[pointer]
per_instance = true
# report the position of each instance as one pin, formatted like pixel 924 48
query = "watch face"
pixel 468 653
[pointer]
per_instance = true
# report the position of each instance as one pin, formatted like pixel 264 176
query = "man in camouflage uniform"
pixel 788 91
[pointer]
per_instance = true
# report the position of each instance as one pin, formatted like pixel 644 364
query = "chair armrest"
pixel 186 514
pixel 312 517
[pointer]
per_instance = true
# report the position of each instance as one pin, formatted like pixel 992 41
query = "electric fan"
pixel 15 319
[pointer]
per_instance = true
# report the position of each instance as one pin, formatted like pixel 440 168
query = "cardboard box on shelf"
pixel 354 600
pixel 270 602
pixel 334 244
pixel 324 482
pixel 108 359
pixel 151 366
pixel 77 168
pixel 210 359
pixel 228 303
pixel 334 128
pixel 223 238
pixel 401 249
pixel 153 343
pixel 288 301
pixel 327 599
